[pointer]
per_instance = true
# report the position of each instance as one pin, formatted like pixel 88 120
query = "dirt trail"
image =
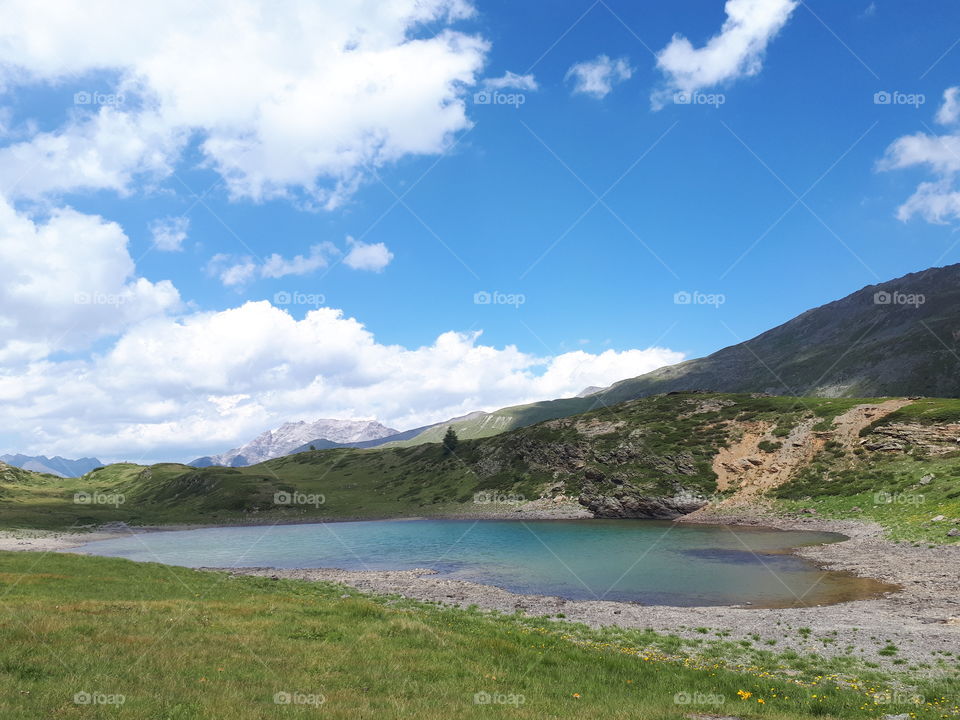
pixel 751 472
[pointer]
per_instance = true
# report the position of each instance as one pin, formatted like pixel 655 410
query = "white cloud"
pixel 737 51
pixel 169 233
pixel 949 112
pixel 238 271
pixel 512 81
pixel 364 256
pixel 68 280
pixel 283 98
pixel 277 266
pixel 186 387
pixel 598 76
pixel 103 151
pixel 232 271
pixel 936 201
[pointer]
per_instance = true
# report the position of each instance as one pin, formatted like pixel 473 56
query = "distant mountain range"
pixel 322 434
pixel 897 338
pixel 54 466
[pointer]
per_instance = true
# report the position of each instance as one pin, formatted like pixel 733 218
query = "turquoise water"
pixel 649 562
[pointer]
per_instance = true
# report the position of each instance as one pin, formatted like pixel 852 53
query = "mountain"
pixel 897 338
pixel 54 466
pixel 900 337
pixel 289 436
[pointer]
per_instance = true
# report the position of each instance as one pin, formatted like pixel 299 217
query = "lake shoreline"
pixel 921 617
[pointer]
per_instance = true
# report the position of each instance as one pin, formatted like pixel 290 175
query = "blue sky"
pixel 595 208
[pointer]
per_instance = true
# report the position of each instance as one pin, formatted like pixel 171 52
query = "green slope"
pixel 650 448
pixel 853 347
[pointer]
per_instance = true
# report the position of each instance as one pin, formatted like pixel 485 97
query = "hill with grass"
pixel 894 460
pixel 897 338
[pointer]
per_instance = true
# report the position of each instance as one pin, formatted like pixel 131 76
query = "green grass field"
pixel 178 644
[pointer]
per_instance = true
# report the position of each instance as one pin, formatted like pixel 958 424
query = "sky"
pixel 218 217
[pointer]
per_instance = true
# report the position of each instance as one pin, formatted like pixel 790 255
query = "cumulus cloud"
pixel 512 81
pixel 949 111
pixel 598 76
pixel 68 280
pixel 169 233
pixel 294 99
pixel 175 388
pixel 938 200
pixel 737 51
pixel 364 256
pixel 298 97
pixel 107 150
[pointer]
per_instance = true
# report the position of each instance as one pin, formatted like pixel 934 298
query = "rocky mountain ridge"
pixel 292 435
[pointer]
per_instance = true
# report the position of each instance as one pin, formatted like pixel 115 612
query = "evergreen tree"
pixel 450 441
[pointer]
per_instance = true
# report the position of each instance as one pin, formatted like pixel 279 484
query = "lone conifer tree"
pixel 450 441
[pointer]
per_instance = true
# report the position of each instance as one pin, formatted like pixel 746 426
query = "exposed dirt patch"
pixel 847 427
pixel 745 467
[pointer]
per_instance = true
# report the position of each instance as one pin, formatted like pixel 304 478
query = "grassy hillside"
pixel 659 447
pixel 390 482
pixel 908 344
pixel 909 481
pixel 168 643
pixel 509 418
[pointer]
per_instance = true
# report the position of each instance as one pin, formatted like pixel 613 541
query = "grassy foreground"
pixel 86 637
